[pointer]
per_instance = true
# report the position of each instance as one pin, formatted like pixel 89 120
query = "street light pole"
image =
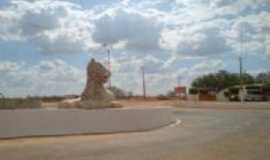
pixel 143 83
pixel 109 66
pixel 108 62
pixel 243 51
pixel 241 71
pixel 241 79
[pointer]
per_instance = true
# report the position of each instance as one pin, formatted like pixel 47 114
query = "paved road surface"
pixel 204 134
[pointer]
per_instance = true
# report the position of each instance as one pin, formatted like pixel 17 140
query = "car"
pixel 255 96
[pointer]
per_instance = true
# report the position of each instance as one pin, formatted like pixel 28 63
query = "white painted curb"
pixel 42 122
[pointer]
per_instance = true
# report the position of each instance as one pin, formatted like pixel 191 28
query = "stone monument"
pixel 94 95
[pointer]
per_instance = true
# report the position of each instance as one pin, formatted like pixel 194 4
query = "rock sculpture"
pixel 94 94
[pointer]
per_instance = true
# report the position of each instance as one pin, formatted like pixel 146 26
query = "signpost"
pixel 181 91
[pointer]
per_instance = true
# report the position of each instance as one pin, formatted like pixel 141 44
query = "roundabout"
pixel 56 122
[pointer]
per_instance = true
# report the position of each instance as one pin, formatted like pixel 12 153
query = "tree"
pixel 266 88
pixel 221 80
pixel 2 95
pixel 171 93
pixel 130 94
pixel 263 77
pixel 118 93
pixel 247 78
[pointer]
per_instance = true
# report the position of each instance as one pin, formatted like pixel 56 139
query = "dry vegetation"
pixel 19 103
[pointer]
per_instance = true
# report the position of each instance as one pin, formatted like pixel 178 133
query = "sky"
pixel 45 45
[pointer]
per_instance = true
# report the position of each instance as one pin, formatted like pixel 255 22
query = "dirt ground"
pixel 183 104
pixel 129 103
pixel 146 103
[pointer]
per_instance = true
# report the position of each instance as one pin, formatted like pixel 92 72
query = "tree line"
pixel 224 79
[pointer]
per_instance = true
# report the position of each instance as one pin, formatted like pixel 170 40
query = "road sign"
pixel 180 89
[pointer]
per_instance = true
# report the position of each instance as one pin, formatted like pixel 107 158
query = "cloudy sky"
pixel 45 45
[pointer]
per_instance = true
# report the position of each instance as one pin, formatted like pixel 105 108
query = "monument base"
pixel 78 104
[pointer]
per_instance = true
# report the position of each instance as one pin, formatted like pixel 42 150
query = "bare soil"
pixel 181 104
pixel 128 103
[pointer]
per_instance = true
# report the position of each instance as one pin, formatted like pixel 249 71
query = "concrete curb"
pixel 42 122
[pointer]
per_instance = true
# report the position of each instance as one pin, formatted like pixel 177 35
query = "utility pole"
pixel 143 83
pixel 241 71
pixel 178 79
pixel 264 33
pixel 241 91
pixel 242 43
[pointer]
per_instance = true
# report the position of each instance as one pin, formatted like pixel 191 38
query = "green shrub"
pixel 19 103
pixel 193 91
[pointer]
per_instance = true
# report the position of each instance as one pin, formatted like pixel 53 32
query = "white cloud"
pixel 9 66
pixel 187 74
pixel 205 43
pixel 140 33
pixel 52 26
pixel 8 27
pixel 45 78
pixel 127 64
pixel 252 31
pixel 204 39
pixel 64 27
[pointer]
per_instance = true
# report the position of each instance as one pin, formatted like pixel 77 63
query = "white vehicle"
pixel 254 93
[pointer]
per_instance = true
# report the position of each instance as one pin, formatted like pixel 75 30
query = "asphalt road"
pixel 203 134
